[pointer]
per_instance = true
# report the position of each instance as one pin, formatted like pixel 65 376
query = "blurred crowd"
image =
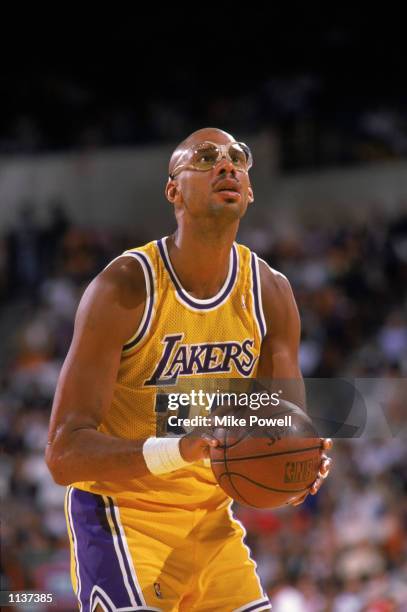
pixel 344 550
pixel 300 112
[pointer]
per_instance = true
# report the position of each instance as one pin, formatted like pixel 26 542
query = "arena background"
pixel 88 120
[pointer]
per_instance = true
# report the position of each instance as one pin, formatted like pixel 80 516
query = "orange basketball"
pixel 267 467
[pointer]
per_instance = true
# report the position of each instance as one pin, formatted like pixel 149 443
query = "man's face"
pixel 223 191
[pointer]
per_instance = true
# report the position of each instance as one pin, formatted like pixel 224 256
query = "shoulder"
pixel 114 300
pixel 269 277
pixel 122 280
pixel 273 280
pixel 277 297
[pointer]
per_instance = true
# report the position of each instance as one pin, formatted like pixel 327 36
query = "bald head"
pixel 212 134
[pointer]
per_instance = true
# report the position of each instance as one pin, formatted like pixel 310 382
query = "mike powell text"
pixel 229 421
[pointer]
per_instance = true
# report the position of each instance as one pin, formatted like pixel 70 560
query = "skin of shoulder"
pixel 126 277
pixel 113 302
pixel 280 308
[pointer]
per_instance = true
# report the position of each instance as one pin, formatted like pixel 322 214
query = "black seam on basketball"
pixel 254 426
pixel 246 434
pixel 225 461
pixel 290 452
pixel 251 428
pixel 236 491
pixel 249 503
pixel 259 484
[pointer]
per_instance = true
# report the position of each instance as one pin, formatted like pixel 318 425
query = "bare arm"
pixel 109 313
pixel 279 359
pixel 279 352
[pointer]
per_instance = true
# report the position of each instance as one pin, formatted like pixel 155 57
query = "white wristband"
pixel 162 455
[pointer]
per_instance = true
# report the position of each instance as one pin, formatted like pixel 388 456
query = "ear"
pixel 250 195
pixel 171 191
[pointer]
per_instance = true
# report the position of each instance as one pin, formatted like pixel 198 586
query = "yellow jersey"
pixel 181 342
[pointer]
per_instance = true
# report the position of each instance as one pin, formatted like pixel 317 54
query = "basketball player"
pixel 149 527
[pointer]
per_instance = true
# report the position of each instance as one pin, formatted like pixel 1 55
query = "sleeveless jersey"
pixel 181 343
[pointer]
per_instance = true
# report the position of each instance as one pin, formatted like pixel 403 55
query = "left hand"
pixel 322 474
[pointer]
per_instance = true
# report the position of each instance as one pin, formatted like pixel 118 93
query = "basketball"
pixel 267 467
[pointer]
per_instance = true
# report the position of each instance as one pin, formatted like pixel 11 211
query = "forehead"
pixel 211 134
pixel 217 136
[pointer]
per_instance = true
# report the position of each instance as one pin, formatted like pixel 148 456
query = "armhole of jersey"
pixel 257 297
pixel 147 317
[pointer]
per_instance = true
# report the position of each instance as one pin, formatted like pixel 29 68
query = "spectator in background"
pixel 24 252
pixel 53 234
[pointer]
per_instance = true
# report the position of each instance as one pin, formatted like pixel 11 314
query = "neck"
pixel 201 259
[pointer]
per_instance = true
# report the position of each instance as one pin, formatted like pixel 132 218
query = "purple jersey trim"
pixel 189 300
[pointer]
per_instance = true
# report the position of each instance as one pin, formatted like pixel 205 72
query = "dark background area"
pixel 335 81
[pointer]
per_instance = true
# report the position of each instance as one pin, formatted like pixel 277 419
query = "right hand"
pixel 195 447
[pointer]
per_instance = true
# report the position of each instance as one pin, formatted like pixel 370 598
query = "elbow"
pixel 57 467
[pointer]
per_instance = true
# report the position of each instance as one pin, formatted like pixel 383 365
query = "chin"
pixel 230 209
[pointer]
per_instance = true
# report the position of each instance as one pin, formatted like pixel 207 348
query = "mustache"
pixel 222 179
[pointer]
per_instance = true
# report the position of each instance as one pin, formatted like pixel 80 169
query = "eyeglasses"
pixel 205 155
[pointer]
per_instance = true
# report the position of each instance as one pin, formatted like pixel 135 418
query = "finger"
pixel 326 443
pixel 325 466
pixel 209 440
pixel 316 485
pixel 318 481
pixel 322 474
